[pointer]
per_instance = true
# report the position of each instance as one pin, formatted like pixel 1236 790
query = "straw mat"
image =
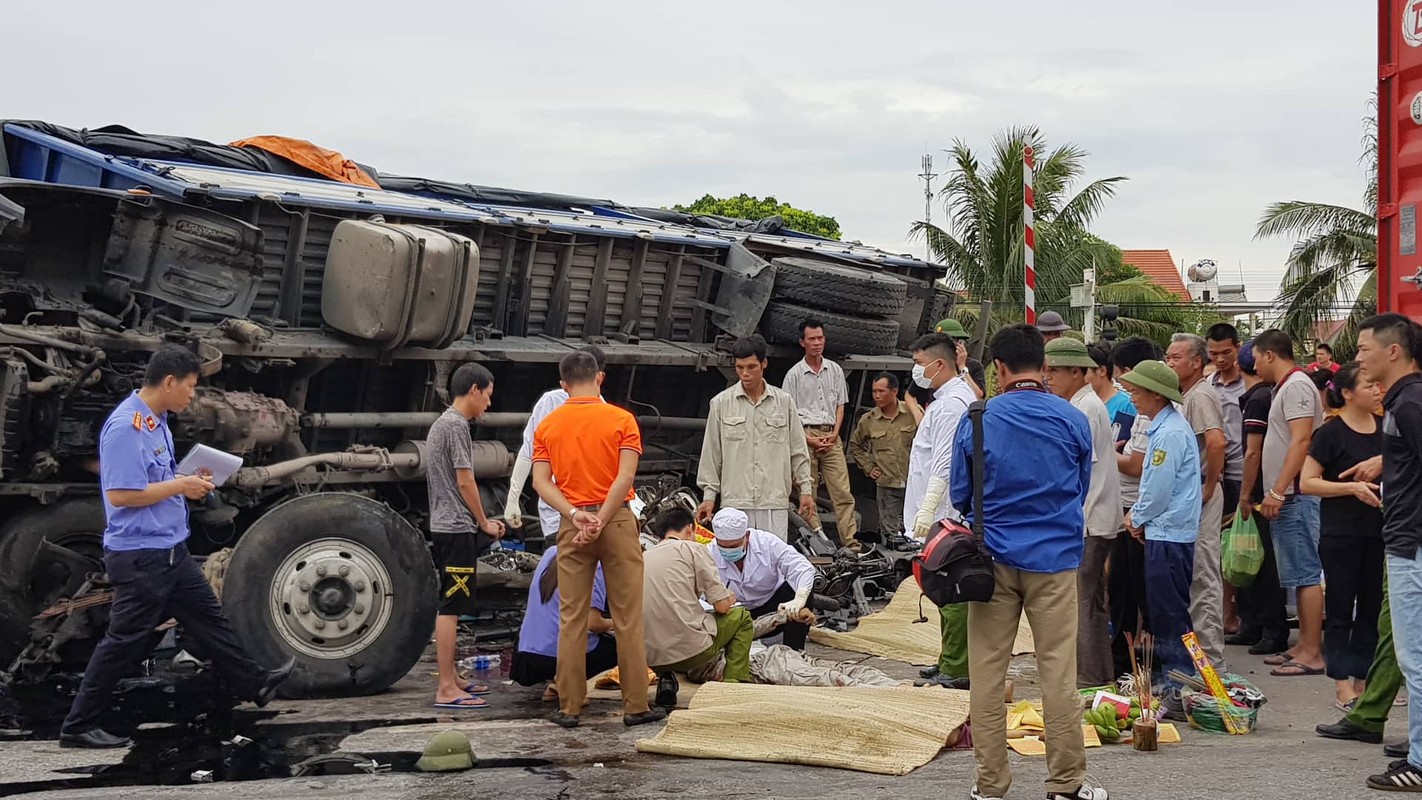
pixel 893 633
pixel 887 731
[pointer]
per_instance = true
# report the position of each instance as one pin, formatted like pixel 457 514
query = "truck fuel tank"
pixel 399 285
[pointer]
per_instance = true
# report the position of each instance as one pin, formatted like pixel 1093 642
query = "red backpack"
pixel 954 566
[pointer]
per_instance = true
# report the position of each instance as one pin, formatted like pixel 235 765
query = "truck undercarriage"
pixel 328 562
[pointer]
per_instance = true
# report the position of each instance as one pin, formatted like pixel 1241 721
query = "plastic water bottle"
pixel 480 663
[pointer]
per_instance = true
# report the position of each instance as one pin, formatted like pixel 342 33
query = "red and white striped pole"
pixel 1029 236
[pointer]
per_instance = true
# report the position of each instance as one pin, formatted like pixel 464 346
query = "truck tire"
pixel 836 287
pixel 27 587
pixel 341 583
pixel 843 333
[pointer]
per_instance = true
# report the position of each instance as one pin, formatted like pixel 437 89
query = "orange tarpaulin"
pixel 319 160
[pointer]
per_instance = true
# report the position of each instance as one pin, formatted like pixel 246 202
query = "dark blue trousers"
pixel 151 587
pixel 1169 568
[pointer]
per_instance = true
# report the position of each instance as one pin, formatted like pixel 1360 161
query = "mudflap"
pixel 747 282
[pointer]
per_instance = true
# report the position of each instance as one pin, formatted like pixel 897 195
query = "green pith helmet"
pixel 448 751
pixel 952 328
pixel 1066 352
pixel 1156 377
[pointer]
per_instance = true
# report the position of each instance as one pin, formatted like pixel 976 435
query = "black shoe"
pixel 928 673
pixel 95 739
pixel 1343 729
pixel 650 715
pixel 274 679
pixel 1396 749
pixel 667 688
pixel 949 682
pixel 563 720
pixel 1400 777
pixel 1244 637
pixel 1268 647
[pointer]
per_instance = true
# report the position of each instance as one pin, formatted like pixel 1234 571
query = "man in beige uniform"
pixel 821 393
pixel 754 455
pixel 880 446
pixel 681 635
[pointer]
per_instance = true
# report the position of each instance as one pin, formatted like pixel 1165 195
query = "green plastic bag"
pixel 1242 553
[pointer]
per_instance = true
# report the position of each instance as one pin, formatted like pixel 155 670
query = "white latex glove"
pixel 792 607
pixel 513 515
pixel 927 515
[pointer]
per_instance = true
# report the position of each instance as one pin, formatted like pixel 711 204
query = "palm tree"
pixel 1333 264
pixel 982 245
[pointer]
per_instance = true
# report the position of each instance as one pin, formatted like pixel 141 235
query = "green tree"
pixel 1332 267
pixel 982 245
pixel 744 206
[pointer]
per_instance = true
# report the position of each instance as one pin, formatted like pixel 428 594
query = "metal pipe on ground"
pixel 493 419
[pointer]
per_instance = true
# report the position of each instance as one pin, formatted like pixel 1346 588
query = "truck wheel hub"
pixel 329 598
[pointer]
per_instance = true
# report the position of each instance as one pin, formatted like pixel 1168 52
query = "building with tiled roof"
pixel 1160 267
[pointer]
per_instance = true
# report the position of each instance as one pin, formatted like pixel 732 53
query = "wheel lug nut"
pixel 360 586
pixel 320 625
pixel 321 570
pixel 344 571
pixel 359 609
pixel 305 587
pixel 342 624
pixel 305 609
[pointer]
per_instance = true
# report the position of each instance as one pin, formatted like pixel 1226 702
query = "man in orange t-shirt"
pixel 584 461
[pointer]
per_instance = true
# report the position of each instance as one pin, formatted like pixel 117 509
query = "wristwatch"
pixel 1277 496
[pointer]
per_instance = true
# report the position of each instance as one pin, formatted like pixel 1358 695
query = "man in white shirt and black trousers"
pixel 765 573
pixel 548 519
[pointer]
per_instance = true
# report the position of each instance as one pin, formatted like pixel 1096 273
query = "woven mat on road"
pixel 893 633
pixel 887 731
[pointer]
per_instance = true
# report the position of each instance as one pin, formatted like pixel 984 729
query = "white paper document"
pixel 215 461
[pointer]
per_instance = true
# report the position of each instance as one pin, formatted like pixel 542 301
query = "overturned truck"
pixel 329 317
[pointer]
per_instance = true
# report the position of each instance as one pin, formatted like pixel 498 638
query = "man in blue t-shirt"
pixel 154 577
pixel 1037 455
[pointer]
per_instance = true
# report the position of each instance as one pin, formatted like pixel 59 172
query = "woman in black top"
pixel 1350 540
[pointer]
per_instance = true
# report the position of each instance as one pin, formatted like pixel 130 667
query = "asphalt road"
pixel 1282 759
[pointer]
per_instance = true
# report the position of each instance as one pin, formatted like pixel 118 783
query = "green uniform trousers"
pixel 1384 679
pixel 953 624
pixel 734 632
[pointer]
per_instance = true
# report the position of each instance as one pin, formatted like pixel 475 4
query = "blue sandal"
pixel 463 703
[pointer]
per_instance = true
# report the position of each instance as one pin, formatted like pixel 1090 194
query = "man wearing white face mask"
pixel 939 363
pixel 767 574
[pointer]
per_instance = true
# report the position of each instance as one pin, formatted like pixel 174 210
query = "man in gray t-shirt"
pixel 457 520
pixel 1294 414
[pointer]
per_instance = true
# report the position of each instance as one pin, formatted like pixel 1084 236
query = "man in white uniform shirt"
pixel 548 519
pixel 1068 361
pixel 939 364
pixel 821 393
pixel 765 573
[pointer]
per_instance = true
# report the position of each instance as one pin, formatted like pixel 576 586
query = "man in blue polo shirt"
pixel 1037 451
pixel 1167 515
pixel 153 576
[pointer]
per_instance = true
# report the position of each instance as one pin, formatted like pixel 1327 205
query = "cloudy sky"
pixel 1212 109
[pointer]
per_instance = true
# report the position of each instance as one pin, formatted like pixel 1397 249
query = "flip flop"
pixel 1302 670
pixel 463 703
pixel 1277 660
pixel 477 689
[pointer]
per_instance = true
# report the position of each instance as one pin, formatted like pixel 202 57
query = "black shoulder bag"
pixel 954 566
